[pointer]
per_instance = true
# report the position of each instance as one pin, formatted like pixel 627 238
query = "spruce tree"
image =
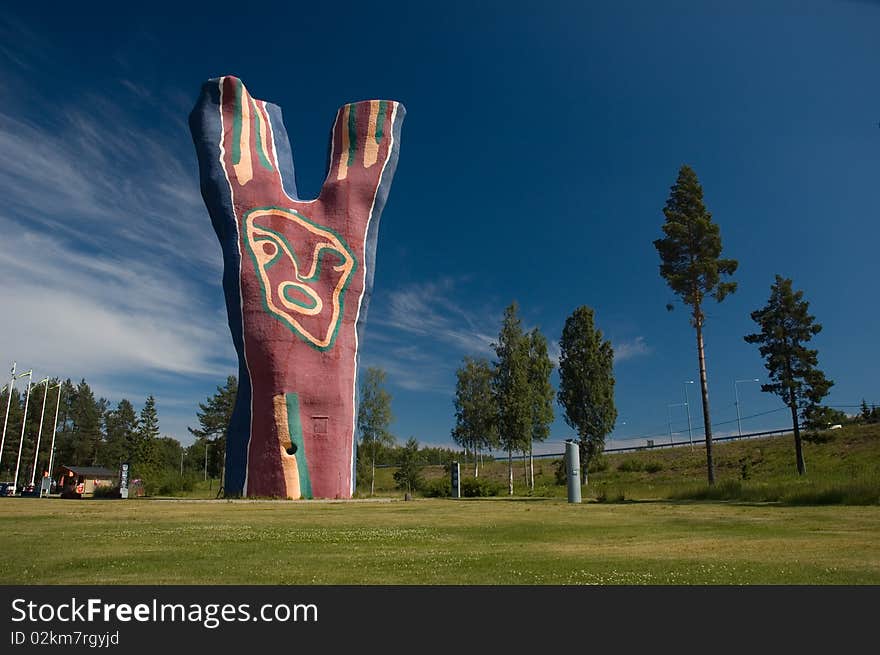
pixel 120 427
pixel 64 442
pixel 691 264
pixel 586 383
pixel 86 415
pixel 145 453
pixel 786 326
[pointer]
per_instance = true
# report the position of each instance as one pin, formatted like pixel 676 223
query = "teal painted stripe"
pixel 236 124
pixel 261 155
pixel 380 120
pixel 294 425
pixel 352 133
pixel 296 301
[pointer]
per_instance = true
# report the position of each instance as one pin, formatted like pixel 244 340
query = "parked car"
pixel 7 489
pixel 30 491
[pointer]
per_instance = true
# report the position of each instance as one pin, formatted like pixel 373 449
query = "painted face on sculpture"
pixel 303 270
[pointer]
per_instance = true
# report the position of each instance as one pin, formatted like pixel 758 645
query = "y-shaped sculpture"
pixel 298 275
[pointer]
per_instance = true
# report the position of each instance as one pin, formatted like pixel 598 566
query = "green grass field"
pixel 648 529
pixel 481 541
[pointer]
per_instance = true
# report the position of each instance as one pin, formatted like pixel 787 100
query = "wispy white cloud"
pixel 631 349
pixel 96 177
pixel 419 334
pixel 74 314
pixel 436 310
pixel 110 261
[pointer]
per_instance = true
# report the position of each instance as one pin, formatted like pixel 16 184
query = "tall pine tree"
pixel 691 264
pixel 786 326
pixel 214 416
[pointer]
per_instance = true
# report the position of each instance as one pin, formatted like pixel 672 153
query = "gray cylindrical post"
pixel 573 469
pixel 455 479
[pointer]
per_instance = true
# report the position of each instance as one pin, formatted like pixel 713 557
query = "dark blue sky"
pixel 540 143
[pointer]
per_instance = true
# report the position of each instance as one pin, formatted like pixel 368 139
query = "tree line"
pixel 91 432
pixel 506 403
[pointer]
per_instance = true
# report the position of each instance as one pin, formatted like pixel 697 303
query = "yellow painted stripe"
pixel 371 149
pixel 244 170
pixel 264 130
pixel 342 173
pixel 288 462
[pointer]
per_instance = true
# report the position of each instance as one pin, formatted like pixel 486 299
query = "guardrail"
pixel 631 449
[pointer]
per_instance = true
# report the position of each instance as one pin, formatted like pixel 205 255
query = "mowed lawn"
pixel 432 541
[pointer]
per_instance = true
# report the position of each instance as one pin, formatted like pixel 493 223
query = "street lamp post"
pixel 8 400
pixel 669 419
pixel 40 430
pixel 736 396
pixel 610 438
pixel 27 397
pixel 688 406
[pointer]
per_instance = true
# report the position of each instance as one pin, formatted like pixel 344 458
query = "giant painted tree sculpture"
pixel 298 276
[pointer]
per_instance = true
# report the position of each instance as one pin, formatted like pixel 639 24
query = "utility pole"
pixel 54 428
pixel 27 397
pixel 8 400
pixel 688 406
pixel 40 431
pixel 736 396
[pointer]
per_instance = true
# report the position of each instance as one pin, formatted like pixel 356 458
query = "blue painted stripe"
pixel 205 126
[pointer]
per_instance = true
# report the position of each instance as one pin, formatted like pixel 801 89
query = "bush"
pixel 598 464
pixel 653 467
pixel 106 492
pixel 167 482
pixel 439 488
pixel 559 473
pixel 745 468
pixel 479 488
pixel 818 437
pixel 603 496
pixel 631 466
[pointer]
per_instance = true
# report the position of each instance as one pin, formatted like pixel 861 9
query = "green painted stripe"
pixel 294 424
pixel 261 154
pixel 380 120
pixel 236 124
pixel 297 301
pixel 352 132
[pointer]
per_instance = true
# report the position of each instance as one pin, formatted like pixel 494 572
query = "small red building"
pixel 84 479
